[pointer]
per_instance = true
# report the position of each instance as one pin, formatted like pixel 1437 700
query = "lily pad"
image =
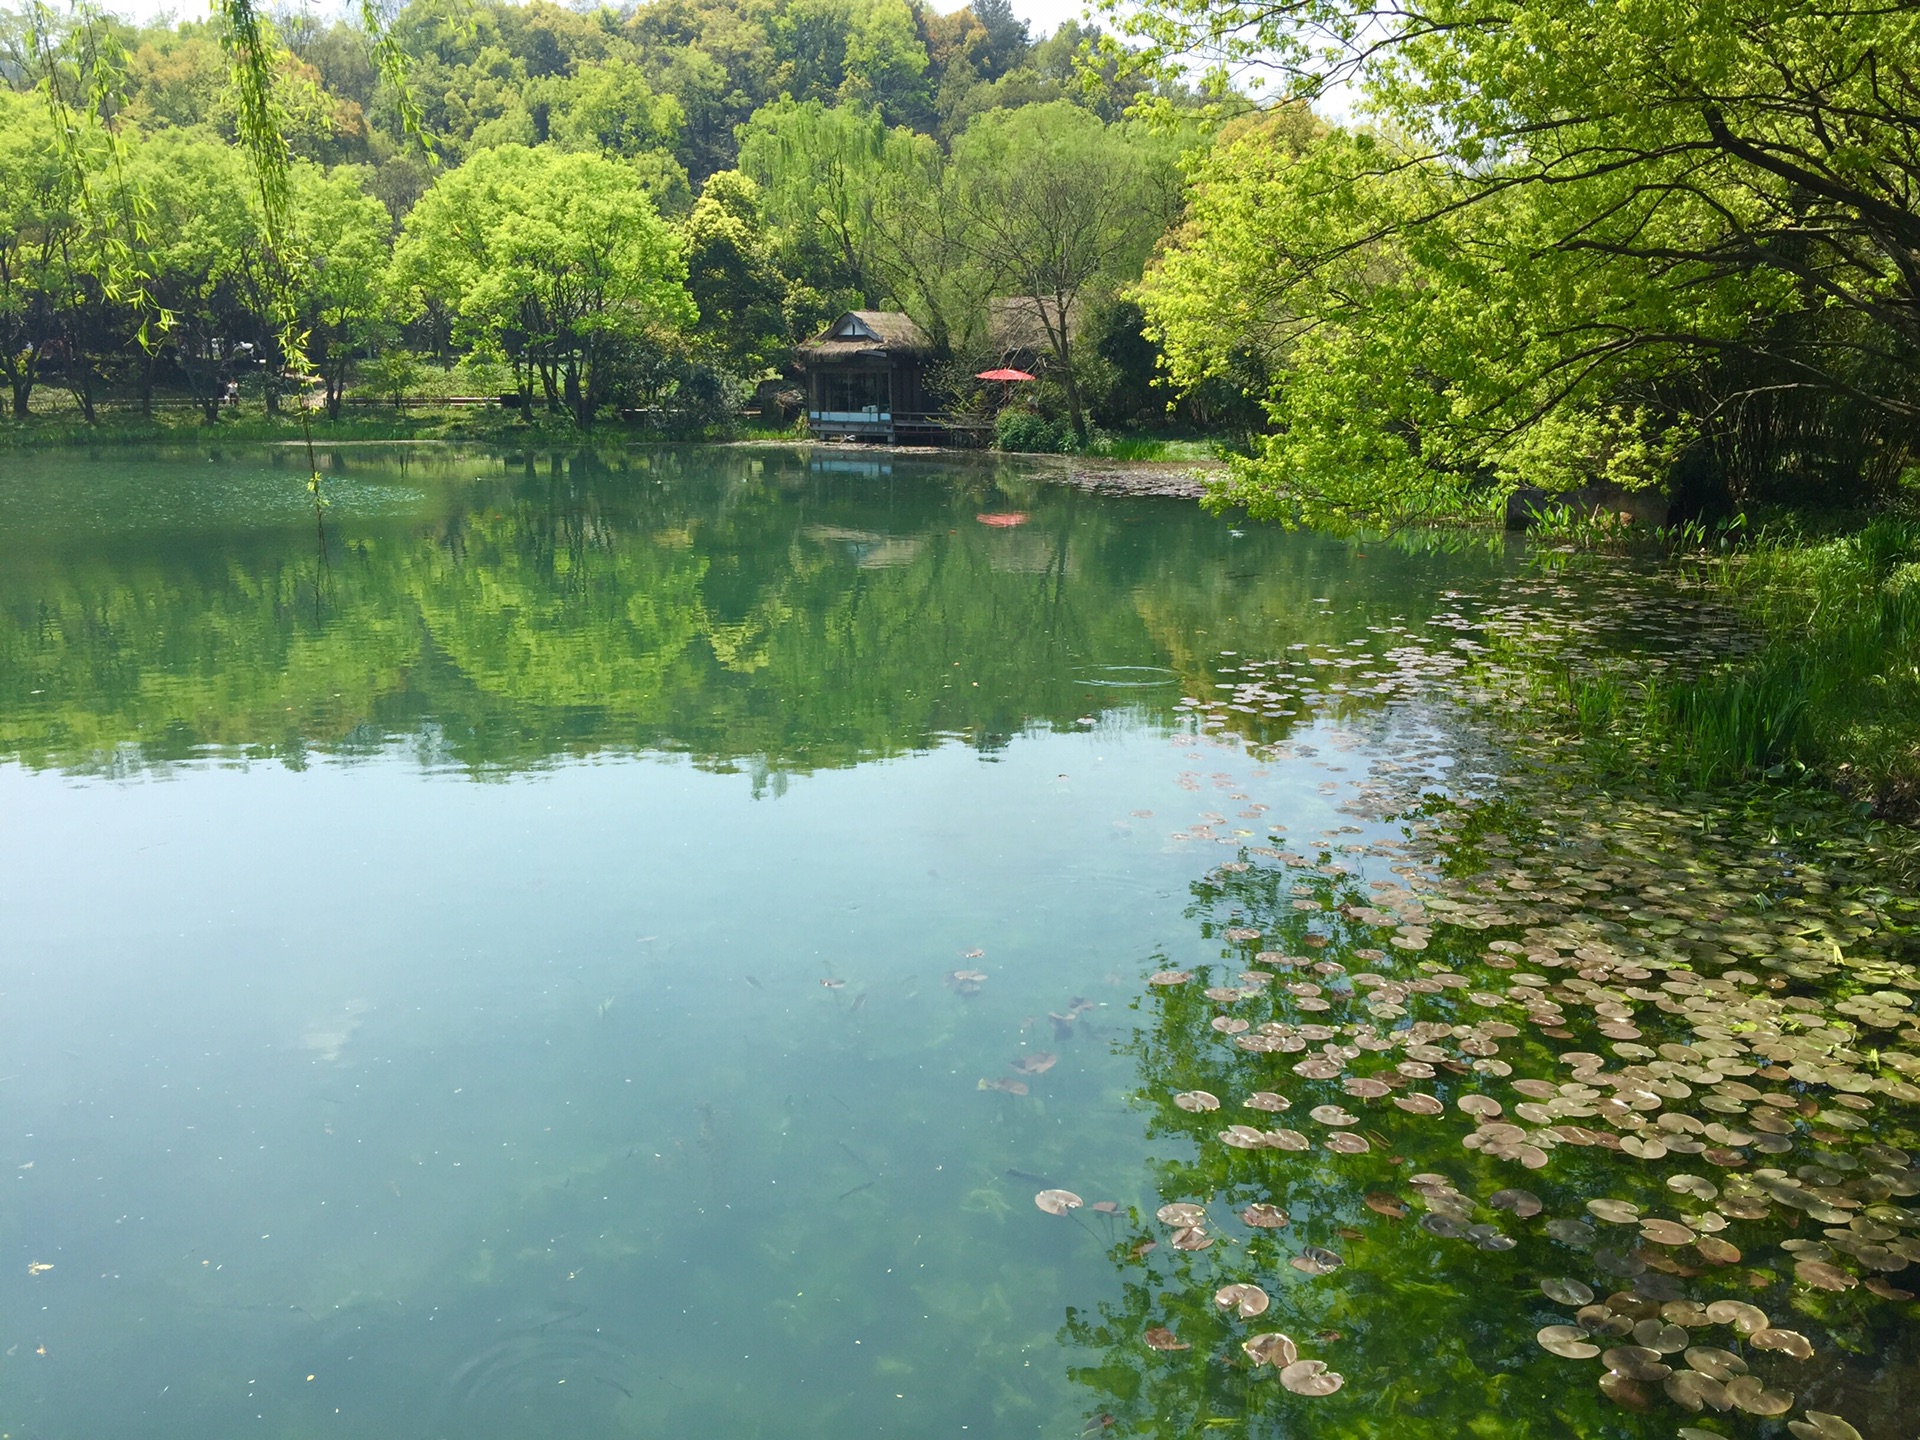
pixel 1522 1204
pixel 1244 1300
pixel 1787 1342
pixel 1691 1390
pixel 1822 1276
pixel 1720 1364
pixel 1180 1214
pixel 1058 1202
pixel 1272 1348
pixel 1197 1100
pixel 1315 1261
pixel 1614 1212
pixel 1744 1318
pixel 1821 1426
pixel 1310 1377
pixel 1563 1291
pixel 1161 1338
pixel 1750 1395
pixel 1263 1216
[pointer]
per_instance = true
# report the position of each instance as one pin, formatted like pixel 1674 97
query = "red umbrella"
pixel 1003 375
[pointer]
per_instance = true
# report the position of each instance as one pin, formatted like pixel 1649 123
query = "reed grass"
pixel 1833 692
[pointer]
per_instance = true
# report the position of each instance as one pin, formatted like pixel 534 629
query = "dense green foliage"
pixel 641 208
pixel 1572 243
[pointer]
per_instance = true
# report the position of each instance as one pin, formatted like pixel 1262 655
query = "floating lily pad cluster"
pixel 1711 1003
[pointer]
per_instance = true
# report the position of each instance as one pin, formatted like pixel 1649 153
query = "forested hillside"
pixel 643 208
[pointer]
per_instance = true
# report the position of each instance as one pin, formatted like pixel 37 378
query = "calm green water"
pixel 561 946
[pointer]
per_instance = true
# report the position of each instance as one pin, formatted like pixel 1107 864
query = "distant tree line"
pixel 649 208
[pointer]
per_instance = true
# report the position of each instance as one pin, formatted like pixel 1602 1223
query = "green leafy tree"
pixel 205 235
pixel 818 168
pixel 34 215
pixel 733 276
pixel 1062 209
pixel 557 261
pixel 1581 241
pixel 343 302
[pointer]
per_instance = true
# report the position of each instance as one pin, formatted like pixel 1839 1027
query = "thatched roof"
pixel 1014 321
pixel 876 333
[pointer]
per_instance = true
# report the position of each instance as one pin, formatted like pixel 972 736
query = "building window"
pixel 856 390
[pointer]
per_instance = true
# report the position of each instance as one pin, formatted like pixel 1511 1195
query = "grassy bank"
pixel 1831 692
pixel 478 424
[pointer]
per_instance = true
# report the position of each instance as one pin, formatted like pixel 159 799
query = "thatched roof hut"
pixel 863 376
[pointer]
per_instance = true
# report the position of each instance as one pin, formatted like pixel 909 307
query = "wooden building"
pixel 864 378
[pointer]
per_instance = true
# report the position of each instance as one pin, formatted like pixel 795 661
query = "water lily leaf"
pixel 1244 1137
pixel 1666 1232
pixel 1522 1204
pixel 1272 1348
pixel 1058 1202
pixel 1659 1337
pixel 1181 1214
pixel 1626 1392
pixel 1315 1261
pixel 1720 1364
pixel 1821 1426
pixel 1244 1300
pixel 1566 1292
pixel 1169 977
pixel 1267 1100
pixel 1694 1185
pixel 1691 1390
pixel 1787 1342
pixel 1345 1142
pixel 1567 1343
pixel 1716 1251
pixel 1161 1338
pixel 1419 1104
pixel 1750 1395
pixel 1197 1100
pixel 1744 1318
pixel 1366 1088
pixel 1310 1377
pixel 1191 1237
pixel 1263 1216
pixel 1614 1212
pixel 1822 1276
pixel 1572 1232
pixel 1636 1362
pixel 1482 1105
pixel 1286 1140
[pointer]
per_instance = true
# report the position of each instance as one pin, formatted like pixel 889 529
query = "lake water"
pixel 557 945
